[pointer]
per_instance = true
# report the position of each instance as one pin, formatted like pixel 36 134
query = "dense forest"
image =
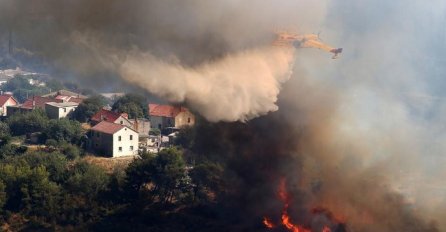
pixel 52 188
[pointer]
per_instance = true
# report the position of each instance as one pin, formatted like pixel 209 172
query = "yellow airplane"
pixel 304 41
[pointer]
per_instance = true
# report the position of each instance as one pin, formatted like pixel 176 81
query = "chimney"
pixel 135 126
pixel 34 102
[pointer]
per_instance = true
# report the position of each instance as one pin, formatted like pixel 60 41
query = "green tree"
pixel 55 163
pixel 22 94
pixel 3 195
pixel 89 107
pixel 43 193
pixel 166 172
pixel 185 137
pixel 18 82
pixel 22 89
pixel 133 104
pixel 11 150
pixel 29 190
pixel 63 130
pixel 83 194
pixel 5 134
pixel 54 85
pixel 88 180
pixel 207 177
pixel 34 121
pixel 71 151
pixel 138 174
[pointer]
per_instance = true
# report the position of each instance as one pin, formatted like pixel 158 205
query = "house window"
pixel 131 148
pixel 119 138
pixel 120 149
pixel 64 110
pixel 122 122
pixel 97 134
pixel 131 137
pixel 188 120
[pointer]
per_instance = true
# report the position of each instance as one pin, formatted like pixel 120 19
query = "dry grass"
pixel 109 164
pixel 86 126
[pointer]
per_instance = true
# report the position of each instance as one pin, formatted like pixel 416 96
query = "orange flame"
pixel 286 222
pixel 283 195
pixel 267 222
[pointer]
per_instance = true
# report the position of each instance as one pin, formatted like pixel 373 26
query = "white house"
pixel 114 140
pixel 56 110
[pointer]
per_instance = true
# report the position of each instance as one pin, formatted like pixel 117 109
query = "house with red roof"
pixel 32 103
pixel 113 140
pixel 5 101
pixel 110 116
pixel 163 116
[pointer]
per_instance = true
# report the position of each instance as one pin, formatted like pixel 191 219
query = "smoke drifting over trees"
pixel 359 127
pixel 170 43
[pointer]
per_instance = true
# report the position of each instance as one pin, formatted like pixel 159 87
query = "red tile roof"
pixel 165 110
pixel 107 127
pixel 70 98
pixel 39 102
pixel 76 99
pixel 4 98
pixel 105 115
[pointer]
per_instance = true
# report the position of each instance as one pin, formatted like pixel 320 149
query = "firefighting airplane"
pixel 304 41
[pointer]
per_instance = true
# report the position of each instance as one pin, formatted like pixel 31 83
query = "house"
pixel 164 116
pixel 56 110
pixel 114 140
pixel 31 104
pixel 110 116
pixel 5 101
pixel 141 125
pixel 66 96
pixel 64 92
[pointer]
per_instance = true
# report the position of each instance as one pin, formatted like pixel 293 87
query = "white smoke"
pixel 237 87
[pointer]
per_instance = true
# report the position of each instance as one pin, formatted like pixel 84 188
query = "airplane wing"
pixel 322 46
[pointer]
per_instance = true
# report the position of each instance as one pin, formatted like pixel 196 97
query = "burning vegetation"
pixel 321 220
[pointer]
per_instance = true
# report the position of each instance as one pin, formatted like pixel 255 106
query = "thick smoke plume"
pixel 237 87
pixel 323 173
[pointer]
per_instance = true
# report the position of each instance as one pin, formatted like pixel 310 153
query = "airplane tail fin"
pixel 336 51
